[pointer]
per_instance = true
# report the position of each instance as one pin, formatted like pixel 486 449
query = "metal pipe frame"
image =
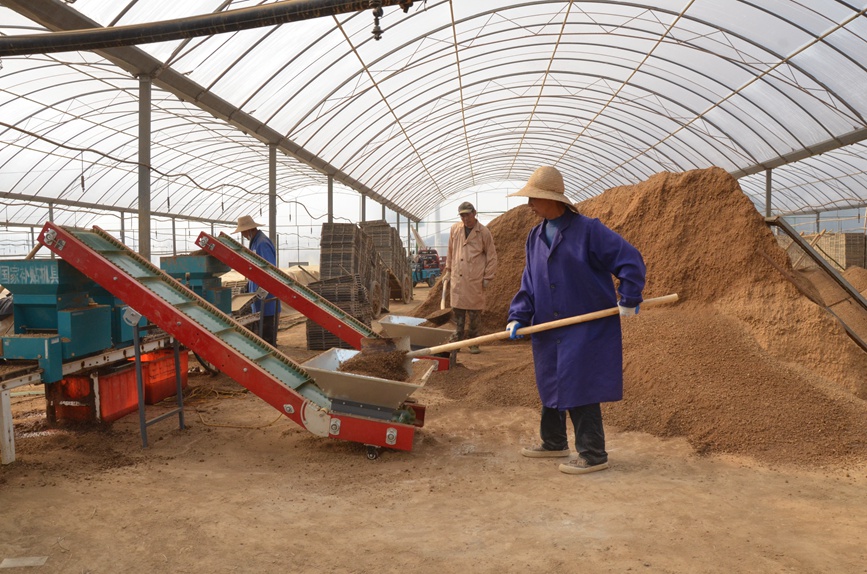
pixel 206 25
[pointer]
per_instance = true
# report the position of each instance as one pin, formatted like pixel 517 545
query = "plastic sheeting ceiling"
pixel 455 94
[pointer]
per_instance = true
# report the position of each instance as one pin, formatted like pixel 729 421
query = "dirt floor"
pixel 243 489
pixel 740 445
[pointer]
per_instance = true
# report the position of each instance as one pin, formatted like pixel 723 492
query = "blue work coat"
pixel 262 246
pixel 579 364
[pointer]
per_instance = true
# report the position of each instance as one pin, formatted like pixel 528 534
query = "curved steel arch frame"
pixel 621 118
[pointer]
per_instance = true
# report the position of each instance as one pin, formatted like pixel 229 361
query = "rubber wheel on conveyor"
pixel 375 299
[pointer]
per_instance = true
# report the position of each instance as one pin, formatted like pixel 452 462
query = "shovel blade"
pixel 384 344
pixel 440 317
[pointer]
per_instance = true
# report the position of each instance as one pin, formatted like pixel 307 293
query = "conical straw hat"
pixel 246 222
pixel 545 183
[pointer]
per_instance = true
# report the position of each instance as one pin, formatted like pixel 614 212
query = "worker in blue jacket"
pixel 261 245
pixel 570 261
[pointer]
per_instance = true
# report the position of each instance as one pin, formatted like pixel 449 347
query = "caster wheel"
pixel 372 453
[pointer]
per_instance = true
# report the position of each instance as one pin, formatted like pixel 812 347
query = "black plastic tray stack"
pixel 348 293
pixel 351 274
pixel 387 242
pixel 345 249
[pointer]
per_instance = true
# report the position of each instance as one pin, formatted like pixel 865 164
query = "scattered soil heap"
pixel 743 364
pixel 857 276
pixel 382 364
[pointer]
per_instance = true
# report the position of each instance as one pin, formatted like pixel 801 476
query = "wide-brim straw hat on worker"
pixel 245 223
pixel 546 183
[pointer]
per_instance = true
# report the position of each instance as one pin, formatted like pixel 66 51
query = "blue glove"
pixel 628 311
pixel 512 327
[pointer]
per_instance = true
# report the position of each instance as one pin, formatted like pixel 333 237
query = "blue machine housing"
pixel 54 316
pixel 121 332
pixel 60 314
pixel 45 349
pixel 201 273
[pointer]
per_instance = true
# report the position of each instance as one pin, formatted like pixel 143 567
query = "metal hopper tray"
pixel 361 389
pixel 420 337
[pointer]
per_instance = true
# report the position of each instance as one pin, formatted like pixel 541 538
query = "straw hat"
pixel 545 183
pixel 245 223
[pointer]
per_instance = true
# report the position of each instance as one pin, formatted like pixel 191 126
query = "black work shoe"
pixel 581 466
pixel 538 451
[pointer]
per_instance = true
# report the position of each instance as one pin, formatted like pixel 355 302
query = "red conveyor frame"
pixel 304 403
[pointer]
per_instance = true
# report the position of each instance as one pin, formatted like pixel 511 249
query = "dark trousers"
pixel 467 323
pixel 266 328
pixel 589 434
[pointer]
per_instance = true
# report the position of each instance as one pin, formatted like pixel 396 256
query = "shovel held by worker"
pixel 536 328
pixel 445 290
pixel 445 313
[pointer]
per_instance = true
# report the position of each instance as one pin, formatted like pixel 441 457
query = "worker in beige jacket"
pixel 470 267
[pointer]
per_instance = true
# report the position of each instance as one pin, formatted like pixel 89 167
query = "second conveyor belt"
pixel 300 297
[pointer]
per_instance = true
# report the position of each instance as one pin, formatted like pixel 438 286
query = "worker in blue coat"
pixel 261 245
pixel 570 261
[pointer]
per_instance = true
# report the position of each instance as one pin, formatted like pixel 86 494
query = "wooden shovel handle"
pixel 445 286
pixel 537 328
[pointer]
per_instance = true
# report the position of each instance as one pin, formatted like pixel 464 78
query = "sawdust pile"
pixel 507 383
pixel 743 364
pixel 382 364
pixel 857 277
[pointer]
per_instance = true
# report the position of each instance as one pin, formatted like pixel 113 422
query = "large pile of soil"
pixel 744 363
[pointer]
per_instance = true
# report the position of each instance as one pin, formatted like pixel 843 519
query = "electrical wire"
pixel 207 424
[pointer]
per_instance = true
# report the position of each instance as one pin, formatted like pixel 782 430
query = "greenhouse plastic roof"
pixel 454 95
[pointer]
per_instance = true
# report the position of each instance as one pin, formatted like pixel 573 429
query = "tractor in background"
pixel 426 267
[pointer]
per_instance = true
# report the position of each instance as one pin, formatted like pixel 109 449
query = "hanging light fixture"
pixel 376 5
